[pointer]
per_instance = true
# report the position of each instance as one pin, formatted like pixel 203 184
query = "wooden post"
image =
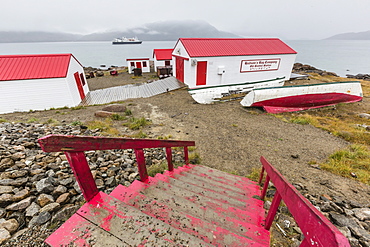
pixel 186 155
pixel 169 158
pixel 265 186
pixel 139 152
pixel 261 175
pixel 272 211
pixel 81 170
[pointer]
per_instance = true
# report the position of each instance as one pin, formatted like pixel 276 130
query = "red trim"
pixel 136 59
pixel 185 58
pixel 79 85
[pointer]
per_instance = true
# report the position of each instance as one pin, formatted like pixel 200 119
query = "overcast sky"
pixel 286 19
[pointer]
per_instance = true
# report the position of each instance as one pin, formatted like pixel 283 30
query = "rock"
pixel 360 233
pixel 103 114
pixel 21 195
pixel 63 198
pixel 2 212
pixel 44 186
pixel 6 189
pixel 20 205
pixel 44 199
pixel 364 115
pixel 10 225
pixel 66 181
pixel 14 182
pixel 115 108
pixel 60 190
pixel 342 220
pixel 42 218
pixel 6 163
pixel 18 173
pixel 5 199
pixel 50 207
pixel 99 73
pixel 64 214
pixel 362 213
pixel 132 176
pixel 33 209
pixel 4 235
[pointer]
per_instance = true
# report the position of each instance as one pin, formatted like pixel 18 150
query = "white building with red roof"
pixel 162 58
pixel 218 67
pixel 138 63
pixel 39 82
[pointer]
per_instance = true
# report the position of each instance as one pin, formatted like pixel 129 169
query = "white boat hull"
pixel 207 95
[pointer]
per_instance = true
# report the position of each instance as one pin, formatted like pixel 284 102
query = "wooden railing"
pixel 74 147
pixel 317 230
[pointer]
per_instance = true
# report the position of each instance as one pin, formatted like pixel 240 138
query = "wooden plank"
pixel 317 229
pixel 80 232
pixel 57 143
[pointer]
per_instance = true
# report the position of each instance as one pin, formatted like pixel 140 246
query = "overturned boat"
pixel 303 97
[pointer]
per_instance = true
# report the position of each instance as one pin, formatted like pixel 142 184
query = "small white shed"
pixel 162 58
pixel 39 82
pixel 213 67
pixel 138 63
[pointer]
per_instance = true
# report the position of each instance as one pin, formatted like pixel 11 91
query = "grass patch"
pixel 76 123
pixel 140 134
pixel 104 126
pixel 2 120
pixel 117 117
pixel 194 158
pixel 128 112
pixel 33 120
pixel 77 108
pixel 353 162
pixel 136 123
pixel 255 174
pixel 303 119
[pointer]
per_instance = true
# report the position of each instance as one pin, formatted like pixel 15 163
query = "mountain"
pixel 159 31
pixel 352 36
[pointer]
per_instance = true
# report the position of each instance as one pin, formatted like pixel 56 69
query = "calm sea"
pixel 339 56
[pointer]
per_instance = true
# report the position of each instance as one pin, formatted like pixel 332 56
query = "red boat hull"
pixel 304 102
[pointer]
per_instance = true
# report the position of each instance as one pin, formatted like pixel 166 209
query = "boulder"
pixel 115 108
pixel 103 114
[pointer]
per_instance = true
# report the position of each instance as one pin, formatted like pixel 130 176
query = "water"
pixel 339 56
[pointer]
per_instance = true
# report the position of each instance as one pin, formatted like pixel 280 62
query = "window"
pixel 144 63
pixel 132 64
pixel 167 63
pixel 82 79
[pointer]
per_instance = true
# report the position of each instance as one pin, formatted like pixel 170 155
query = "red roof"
pixel 163 54
pixel 205 47
pixel 23 67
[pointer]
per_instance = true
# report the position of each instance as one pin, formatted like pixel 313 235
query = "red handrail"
pixel 316 228
pixel 74 147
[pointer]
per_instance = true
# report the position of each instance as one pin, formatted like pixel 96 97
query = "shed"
pixel 138 63
pixel 162 58
pixel 38 82
pixel 215 67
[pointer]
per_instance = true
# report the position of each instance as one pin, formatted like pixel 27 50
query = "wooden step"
pixel 106 221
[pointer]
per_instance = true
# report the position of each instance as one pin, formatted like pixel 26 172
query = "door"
pixel 201 73
pixel 180 69
pixel 138 65
pixel 79 85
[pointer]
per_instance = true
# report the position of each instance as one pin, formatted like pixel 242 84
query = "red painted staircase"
pixel 188 206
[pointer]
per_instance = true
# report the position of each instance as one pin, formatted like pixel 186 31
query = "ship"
pixel 124 41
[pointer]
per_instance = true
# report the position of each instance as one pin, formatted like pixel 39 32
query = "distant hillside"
pixel 352 36
pixel 158 31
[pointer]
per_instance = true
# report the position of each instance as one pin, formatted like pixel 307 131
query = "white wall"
pixel 160 63
pixel 74 95
pixel 143 69
pixel 41 94
pixel 232 66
